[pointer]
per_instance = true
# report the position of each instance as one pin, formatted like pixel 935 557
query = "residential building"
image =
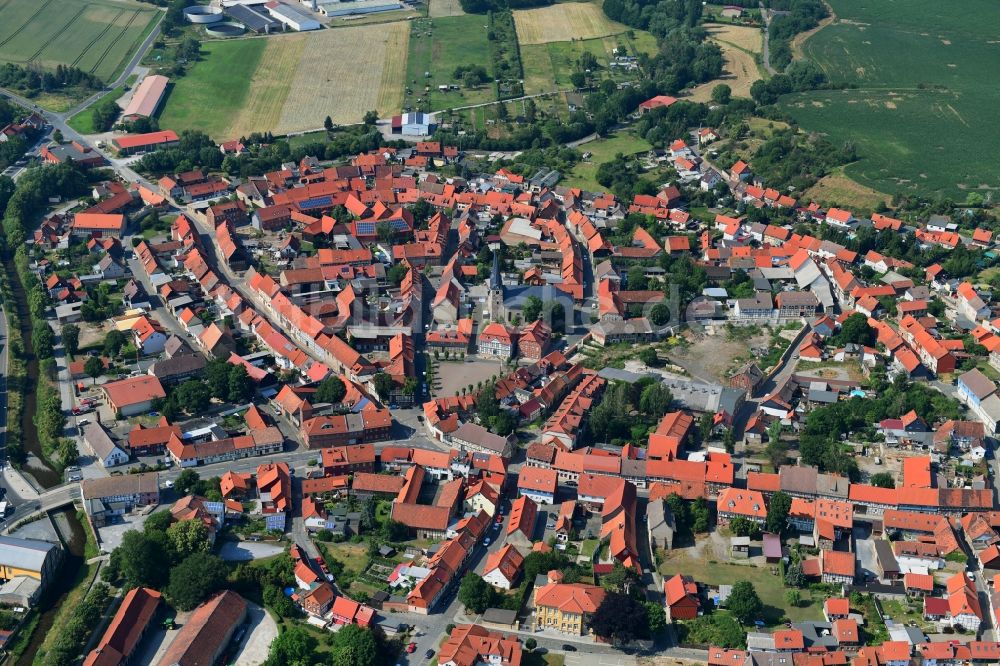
pixel 567 607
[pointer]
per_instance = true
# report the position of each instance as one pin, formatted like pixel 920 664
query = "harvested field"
pixel 838 189
pixel 564 22
pixel 442 8
pixel 739 73
pixel 269 86
pixel 343 85
pixel 740 36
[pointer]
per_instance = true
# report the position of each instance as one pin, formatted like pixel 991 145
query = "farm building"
pixel 415 123
pixel 656 102
pixel 340 8
pixel 292 18
pixel 256 20
pixel 146 98
pixel 131 144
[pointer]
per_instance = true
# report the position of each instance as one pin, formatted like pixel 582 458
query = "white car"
pixel 168 484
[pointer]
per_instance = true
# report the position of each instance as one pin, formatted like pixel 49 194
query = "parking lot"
pixel 110 536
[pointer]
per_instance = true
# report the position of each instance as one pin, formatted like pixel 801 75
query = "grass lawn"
pixel 588 547
pixel 769 587
pixel 83 122
pixel 922 95
pixel 211 94
pixel 353 555
pixel 437 46
pixel 901 612
pixel 548 66
pixel 602 150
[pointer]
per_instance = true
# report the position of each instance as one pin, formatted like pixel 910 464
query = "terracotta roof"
pixel 205 633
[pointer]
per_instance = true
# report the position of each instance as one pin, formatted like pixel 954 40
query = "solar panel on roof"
pixel 317 202
pixel 366 228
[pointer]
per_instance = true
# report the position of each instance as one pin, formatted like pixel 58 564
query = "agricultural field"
pixel 922 115
pixel 837 188
pixel 548 66
pixel 438 46
pixel 210 96
pixel 98 36
pixel 343 85
pixel 564 22
pixel 741 45
pixel 445 8
pixel 278 84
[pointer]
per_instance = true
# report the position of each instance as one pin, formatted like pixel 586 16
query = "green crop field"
pixel 212 93
pixel 438 46
pixel 922 113
pixel 98 36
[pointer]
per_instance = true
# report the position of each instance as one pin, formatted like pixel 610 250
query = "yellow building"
pixel 566 607
pixel 27 557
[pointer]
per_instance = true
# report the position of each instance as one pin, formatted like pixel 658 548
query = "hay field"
pixel 739 72
pixel 838 189
pixel 564 22
pixel 98 36
pixel 345 72
pixel 443 8
pixel 269 87
pixel 740 36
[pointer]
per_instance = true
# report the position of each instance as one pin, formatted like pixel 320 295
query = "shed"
pixel 772 548
pixel 739 546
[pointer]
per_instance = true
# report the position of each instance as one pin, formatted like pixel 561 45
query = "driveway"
pixel 261 631
pixel 244 551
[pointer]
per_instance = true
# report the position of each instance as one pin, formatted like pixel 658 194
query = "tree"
pixel 370 118
pixel 113 342
pixel 71 338
pixel 659 314
pixel 383 385
pixel 729 440
pixel 328 124
pixel 705 426
pixel 293 647
pixel 793 597
pixel 794 576
pixel 620 619
pixel 355 646
pixel 532 309
pixel 157 522
pixel 275 599
pixel 94 367
pixel 193 580
pixel 476 594
pixel 649 357
pixel 679 509
pixel 655 400
pixel 240 386
pixel 722 94
pixel 142 559
pixel 186 482
pixel 883 480
pixel 777 512
pixel 636 276
pixel 700 516
pixel 855 329
pixel 657 618
pixel 620 579
pixel 193 396
pixel 331 390
pixel 741 526
pixel 187 537
pixel 743 602
pixel 530 644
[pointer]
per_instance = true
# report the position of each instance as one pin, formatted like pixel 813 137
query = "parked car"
pixel 428 654
pixel 411 648
pixel 568 648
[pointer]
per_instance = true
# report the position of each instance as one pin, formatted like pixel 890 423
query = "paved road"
pixel 766 55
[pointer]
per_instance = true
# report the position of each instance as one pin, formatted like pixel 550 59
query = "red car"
pixel 411 648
